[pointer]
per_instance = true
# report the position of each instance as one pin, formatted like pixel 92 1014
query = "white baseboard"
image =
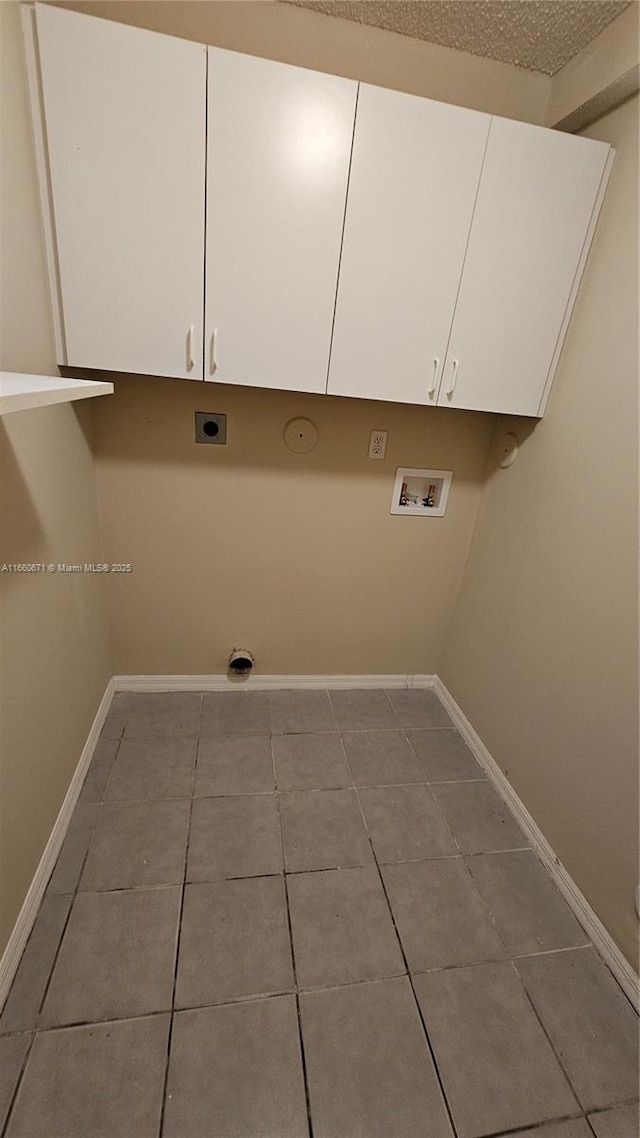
pixel 27 915
pixel 266 683
pixel 591 923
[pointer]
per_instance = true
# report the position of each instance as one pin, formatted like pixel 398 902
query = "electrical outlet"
pixel 211 428
pixel 377 444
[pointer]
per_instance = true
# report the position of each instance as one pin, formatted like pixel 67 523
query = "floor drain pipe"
pixel 241 662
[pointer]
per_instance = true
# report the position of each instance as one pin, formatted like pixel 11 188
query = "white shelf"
pixel 20 392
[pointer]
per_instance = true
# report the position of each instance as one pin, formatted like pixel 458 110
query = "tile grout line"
pixel 510 959
pixel 303 1059
pixel 410 978
pixel 291 991
pixel 485 905
pixel 621 1105
pixel 575 1117
pixel 129 1018
pixel 554 1052
pixel 550 951
pixel 165 1084
pixel 73 895
pixel 76 888
pixel 434 795
pixel 444 818
pixel 403 955
pixel 507 959
pixel 295 790
pixel 254 997
pixel 14 1096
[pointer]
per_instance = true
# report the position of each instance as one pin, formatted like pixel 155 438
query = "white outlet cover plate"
pixel 377 444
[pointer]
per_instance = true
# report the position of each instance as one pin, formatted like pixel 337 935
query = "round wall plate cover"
pixel 507 449
pixel 300 436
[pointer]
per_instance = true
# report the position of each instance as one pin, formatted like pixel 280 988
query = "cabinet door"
pixel 125 123
pixel 534 209
pixel 414 177
pixel 277 167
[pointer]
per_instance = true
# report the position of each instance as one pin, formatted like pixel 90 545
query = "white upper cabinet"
pixel 414 177
pixel 213 215
pixel 532 219
pixel 125 126
pixel 279 140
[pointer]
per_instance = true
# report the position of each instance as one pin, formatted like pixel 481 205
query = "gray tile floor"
pixel 306 914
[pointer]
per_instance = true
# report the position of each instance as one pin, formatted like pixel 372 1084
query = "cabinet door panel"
pixel 125 123
pixel 414 176
pixel 278 161
pixel 534 206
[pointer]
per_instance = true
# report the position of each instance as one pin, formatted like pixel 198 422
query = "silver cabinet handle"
pixel 213 363
pixel 454 376
pixel 190 357
pixel 434 383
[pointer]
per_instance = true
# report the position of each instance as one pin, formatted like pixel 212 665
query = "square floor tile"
pixel 444 756
pixel 100 1081
pixel 116 959
pixel 236 1072
pixel 68 867
pixel 234 837
pixel 234 941
pixel 342 929
pixel 137 843
pixel 530 914
pixel 152 768
pixel 591 1024
pixel 419 708
pixel 381 758
pixel 405 822
pixel 369 1070
pixel 310 762
pixel 323 829
pixel 163 714
pixel 235 764
pixel 94 785
pixel 300 712
pixel 363 710
pixel 13 1052
pixel 22 1005
pixel 440 916
pixel 498 1070
pixel 479 819
pixel 621 1122
pixel 235 713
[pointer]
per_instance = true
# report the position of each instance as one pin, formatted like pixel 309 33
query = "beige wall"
pixel 543 649
pixel 54 661
pixel 294 556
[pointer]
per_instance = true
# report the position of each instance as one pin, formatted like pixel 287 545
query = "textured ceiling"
pixel 541 35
